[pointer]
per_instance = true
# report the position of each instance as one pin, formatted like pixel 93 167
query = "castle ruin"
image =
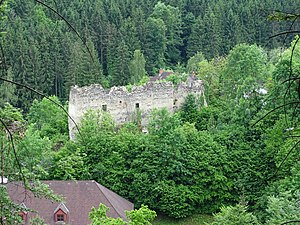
pixel 123 104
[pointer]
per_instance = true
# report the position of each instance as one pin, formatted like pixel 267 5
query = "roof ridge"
pixel 62 207
pixel 99 186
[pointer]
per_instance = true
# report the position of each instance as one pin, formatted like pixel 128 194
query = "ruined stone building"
pixel 122 104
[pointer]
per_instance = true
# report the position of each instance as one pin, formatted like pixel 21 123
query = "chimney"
pixel 160 71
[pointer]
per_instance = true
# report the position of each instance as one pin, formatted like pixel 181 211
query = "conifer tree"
pixel 119 71
pixel 7 90
pixel 84 67
pixel 171 16
pixel 155 44
pixel 129 35
pixel 137 67
pixel 194 44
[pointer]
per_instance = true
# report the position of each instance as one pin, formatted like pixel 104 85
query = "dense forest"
pixel 42 51
pixel 237 157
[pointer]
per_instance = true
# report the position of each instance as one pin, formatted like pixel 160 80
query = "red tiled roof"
pixel 80 197
pixel 161 76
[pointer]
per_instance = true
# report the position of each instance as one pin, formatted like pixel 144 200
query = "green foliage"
pixel 244 71
pixel 196 160
pixel 209 72
pixel 49 119
pixel 142 216
pixel 37 221
pixel 166 32
pixel 177 201
pixel 280 16
pixel 168 169
pixel 119 61
pixel 129 87
pixel 35 152
pixel 69 164
pixel 137 67
pixel 84 67
pixel 94 121
pixel 282 208
pixel 7 90
pixel 207 118
pixel 162 122
pixel 189 110
pixel 143 80
pixel 176 78
pixel 234 215
pixel 11 116
pixel 3 17
pixel 291 183
pixel 171 16
pixel 280 201
pixel 191 220
pixel 205 34
pixel 99 217
pixel 193 62
pixel 279 144
pixel 9 210
pixel 155 44
pixel 12 126
pixel 19 160
pixel 283 82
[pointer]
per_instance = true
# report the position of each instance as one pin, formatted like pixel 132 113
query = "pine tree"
pixel 7 90
pixel 171 16
pixel 188 22
pixel 194 44
pixel 211 35
pixel 129 35
pixel 119 58
pixel 84 67
pixel 137 67
pixel 155 44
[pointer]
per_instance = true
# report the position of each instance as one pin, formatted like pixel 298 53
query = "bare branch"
pixel 291 79
pixel 290 74
pixel 291 221
pixel 14 149
pixel 68 23
pixel 287 155
pixel 273 110
pixel 43 95
pixel 292 55
pixel 284 33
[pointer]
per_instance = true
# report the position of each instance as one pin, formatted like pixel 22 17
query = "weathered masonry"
pixel 123 104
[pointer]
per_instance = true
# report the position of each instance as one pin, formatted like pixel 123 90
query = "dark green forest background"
pixel 43 52
pixel 202 159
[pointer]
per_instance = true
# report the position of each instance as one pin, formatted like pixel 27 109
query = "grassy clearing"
pixel 196 219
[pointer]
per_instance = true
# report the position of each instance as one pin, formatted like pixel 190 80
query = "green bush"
pixel 283 208
pixel 234 215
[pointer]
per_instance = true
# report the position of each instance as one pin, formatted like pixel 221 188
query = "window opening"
pixel 175 101
pixel 60 217
pixel 104 108
pixel 137 105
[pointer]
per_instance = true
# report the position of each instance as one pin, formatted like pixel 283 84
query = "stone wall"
pixel 122 104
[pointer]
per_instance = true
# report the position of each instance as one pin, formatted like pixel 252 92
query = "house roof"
pixel 62 207
pixel 161 76
pixel 80 197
